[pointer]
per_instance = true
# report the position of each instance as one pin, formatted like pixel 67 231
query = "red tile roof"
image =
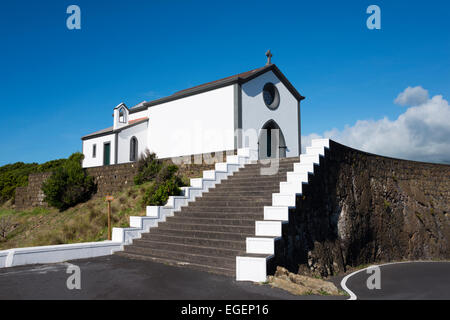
pixel 137 120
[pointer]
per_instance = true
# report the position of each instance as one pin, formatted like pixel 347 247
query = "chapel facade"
pixel 258 109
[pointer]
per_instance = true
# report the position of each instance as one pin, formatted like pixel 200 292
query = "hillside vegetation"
pixel 16 175
pixel 83 223
pixel 74 216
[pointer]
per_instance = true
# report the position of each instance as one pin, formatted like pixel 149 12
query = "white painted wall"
pixel 196 124
pixel 89 161
pixel 140 132
pixel 203 123
pixel 255 113
pixel 138 115
pixel 57 253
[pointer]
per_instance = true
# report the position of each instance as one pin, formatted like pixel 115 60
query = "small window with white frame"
pixel 94 151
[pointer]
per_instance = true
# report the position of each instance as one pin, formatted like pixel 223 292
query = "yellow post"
pixel 109 199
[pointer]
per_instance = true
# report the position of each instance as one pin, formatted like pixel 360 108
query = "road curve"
pixel 415 280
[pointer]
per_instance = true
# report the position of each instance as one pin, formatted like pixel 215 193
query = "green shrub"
pixel 16 175
pixel 148 167
pixel 166 183
pixel 158 193
pixel 164 178
pixel 69 184
pixel 13 176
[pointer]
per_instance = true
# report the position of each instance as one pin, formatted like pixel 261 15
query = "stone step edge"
pixel 201 239
pixel 221 219
pixel 205 232
pixel 188 246
pixel 195 255
pixel 202 225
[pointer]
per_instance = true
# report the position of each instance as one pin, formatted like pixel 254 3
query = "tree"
pixel 69 184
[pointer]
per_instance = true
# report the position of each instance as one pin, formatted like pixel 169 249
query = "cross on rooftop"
pixel 269 56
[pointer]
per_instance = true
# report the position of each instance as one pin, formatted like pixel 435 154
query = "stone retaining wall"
pixel 32 195
pixel 361 208
pixel 114 178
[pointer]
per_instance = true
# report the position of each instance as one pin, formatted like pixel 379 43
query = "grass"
pixel 85 222
pixel 323 293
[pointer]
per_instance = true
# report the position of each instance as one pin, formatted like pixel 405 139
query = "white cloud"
pixel 421 133
pixel 412 96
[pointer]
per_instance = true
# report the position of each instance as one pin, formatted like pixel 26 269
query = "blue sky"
pixel 58 84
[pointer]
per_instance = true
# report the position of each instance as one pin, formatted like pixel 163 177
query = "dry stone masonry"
pixel 361 208
pixel 31 195
pixel 114 178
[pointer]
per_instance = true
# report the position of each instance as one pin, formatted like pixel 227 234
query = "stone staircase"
pixel 209 233
pixel 227 222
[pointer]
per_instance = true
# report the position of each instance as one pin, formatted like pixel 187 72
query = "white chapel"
pixel 258 109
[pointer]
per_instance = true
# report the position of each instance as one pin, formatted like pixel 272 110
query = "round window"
pixel 271 96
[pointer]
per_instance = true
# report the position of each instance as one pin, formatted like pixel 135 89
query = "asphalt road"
pixel 114 277
pixel 405 281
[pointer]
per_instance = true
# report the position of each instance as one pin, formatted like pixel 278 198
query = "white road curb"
pixel 352 294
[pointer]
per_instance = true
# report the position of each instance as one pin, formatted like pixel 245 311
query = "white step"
pixel 126 235
pixel 251 269
pixel 202 183
pixel 176 202
pixel 320 143
pixel 215 175
pixel 260 245
pixel 227 167
pixel 251 154
pixel 291 187
pixel 316 150
pixel 160 212
pixel 191 193
pixel 297 176
pixel 276 213
pixel 144 223
pixel 304 167
pixel 310 158
pixel 236 159
pixel 283 200
pixel 153 211
pixel 196 183
pixel 244 152
pixel 268 228
pixel 209 174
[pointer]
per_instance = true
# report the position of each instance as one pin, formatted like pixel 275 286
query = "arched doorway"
pixel 271 143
